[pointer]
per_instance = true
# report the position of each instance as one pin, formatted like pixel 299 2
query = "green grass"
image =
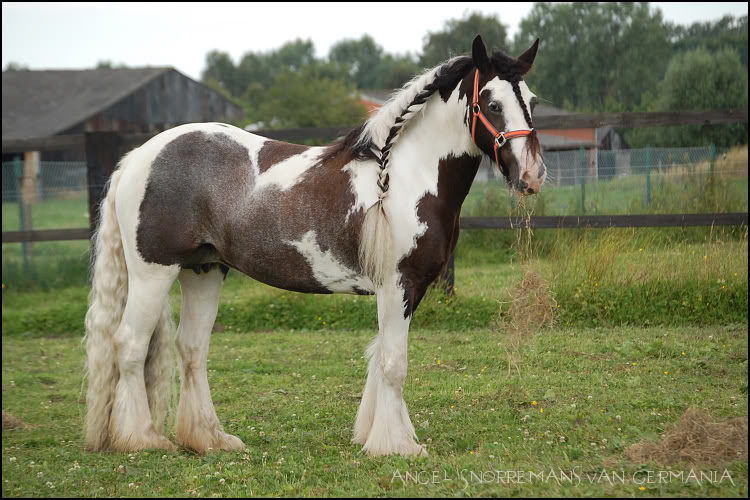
pixel 50 214
pixel 293 395
pixel 613 278
pixel 290 366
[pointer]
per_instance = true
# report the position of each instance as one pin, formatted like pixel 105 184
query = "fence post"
pixel 648 175
pixel 583 180
pixel 102 155
pixel 19 171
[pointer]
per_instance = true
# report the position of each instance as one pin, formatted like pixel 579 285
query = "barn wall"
pixel 168 100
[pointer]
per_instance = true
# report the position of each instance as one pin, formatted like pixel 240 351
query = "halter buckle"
pixel 497 140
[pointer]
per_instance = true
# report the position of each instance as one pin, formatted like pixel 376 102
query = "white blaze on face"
pixel 502 92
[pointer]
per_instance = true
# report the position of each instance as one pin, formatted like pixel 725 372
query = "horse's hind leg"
pixel 198 427
pixel 131 426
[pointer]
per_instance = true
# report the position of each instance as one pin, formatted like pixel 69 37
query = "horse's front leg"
pixel 383 423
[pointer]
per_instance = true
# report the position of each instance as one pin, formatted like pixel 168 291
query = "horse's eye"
pixel 494 106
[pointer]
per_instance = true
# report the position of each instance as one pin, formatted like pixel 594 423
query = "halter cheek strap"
pixel 500 137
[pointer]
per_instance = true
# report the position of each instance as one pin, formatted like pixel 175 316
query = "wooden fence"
pixel 104 149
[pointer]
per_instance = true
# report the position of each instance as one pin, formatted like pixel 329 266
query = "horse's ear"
pixel 529 56
pixel 479 55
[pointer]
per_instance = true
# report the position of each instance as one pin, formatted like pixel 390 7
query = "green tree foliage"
pixel 727 32
pixel 370 66
pixel 697 80
pixel 363 56
pixel 220 70
pixel 14 66
pixel 395 71
pixel 309 98
pixel 457 35
pixel 256 67
pixel 595 56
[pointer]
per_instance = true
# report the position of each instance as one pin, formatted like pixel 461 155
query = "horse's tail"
pixel 376 243
pixel 107 300
pixel 109 293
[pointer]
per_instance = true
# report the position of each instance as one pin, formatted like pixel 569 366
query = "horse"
pixel 375 212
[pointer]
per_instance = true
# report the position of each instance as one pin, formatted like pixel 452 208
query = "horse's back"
pixel 215 193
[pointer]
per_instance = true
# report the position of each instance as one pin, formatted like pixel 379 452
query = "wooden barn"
pixel 129 100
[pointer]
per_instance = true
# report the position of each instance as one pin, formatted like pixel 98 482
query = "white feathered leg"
pixel 131 426
pixel 383 422
pixel 198 427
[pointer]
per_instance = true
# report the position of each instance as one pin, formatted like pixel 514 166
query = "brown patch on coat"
pixel 441 215
pixel 201 207
pixel 273 152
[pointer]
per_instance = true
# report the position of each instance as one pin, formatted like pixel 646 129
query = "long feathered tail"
pixel 107 300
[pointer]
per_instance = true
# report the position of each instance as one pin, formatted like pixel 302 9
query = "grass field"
pixel 580 397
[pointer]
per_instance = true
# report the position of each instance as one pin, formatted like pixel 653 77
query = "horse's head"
pixel 500 115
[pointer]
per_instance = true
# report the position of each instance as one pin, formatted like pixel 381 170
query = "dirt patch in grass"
pixel 10 422
pixel 697 439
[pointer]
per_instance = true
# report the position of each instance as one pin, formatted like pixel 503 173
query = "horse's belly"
pixel 301 265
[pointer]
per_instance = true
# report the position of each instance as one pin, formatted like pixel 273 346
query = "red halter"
pixel 505 136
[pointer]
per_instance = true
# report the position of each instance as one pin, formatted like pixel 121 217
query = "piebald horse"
pixel 376 212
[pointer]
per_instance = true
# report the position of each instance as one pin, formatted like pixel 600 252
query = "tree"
pixel 220 69
pixel 727 32
pixel 363 56
pixel 457 35
pixel 395 71
pixel 595 56
pixel 698 80
pixel 293 55
pixel 307 98
pixel 108 64
pixel 14 66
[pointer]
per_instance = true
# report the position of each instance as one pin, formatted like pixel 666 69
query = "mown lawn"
pixel 577 399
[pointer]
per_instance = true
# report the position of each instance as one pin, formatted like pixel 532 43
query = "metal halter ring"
pixel 497 140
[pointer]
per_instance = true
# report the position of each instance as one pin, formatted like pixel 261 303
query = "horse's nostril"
pixel 530 190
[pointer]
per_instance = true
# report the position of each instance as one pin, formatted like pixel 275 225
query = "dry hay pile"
pixel 12 422
pixel 696 439
pixel 531 307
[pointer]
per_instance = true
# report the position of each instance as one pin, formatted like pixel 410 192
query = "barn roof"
pixel 46 103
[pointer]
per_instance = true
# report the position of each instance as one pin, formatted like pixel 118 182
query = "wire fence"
pixel 632 181
pixel 578 182
pixel 53 180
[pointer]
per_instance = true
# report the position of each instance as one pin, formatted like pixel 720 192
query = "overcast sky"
pixel 78 35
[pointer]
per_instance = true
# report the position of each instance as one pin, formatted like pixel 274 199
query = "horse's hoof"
pixel 219 442
pixel 405 448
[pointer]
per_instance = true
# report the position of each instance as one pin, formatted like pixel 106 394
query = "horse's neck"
pixel 435 155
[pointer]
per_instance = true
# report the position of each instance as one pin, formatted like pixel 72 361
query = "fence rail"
pixel 535 222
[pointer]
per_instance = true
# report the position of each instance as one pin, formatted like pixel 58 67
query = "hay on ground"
pixel 696 439
pixel 531 308
pixel 12 422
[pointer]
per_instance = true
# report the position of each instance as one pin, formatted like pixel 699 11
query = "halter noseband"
pixel 505 136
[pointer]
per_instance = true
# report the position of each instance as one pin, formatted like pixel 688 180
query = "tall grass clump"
pixel 631 277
